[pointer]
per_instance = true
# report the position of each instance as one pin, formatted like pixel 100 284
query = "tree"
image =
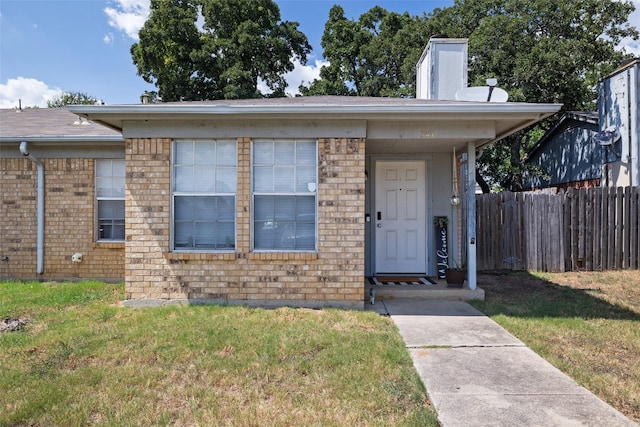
pixel 539 50
pixel 366 57
pixel 217 49
pixel 71 98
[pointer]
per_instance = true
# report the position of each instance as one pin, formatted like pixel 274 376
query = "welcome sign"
pixel 442 245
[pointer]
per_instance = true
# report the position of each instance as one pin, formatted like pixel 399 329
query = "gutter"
pixel 40 220
pixel 382 108
pixel 78 140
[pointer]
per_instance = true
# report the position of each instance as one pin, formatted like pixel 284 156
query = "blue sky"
pixel 48 46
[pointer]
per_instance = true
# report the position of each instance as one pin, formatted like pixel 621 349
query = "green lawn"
pixel 84 360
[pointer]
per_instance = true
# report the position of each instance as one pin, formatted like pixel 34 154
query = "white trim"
pixel 428 201
pixel 471 216
pixel 315 195
pixel 98 199
pixel 342 108
pixel 173 194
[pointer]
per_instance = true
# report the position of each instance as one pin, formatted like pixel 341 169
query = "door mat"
pixel 401 280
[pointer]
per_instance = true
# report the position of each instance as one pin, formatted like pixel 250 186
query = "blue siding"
pixel 568 153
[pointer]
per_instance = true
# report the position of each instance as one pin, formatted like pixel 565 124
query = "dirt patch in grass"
pixel 12 324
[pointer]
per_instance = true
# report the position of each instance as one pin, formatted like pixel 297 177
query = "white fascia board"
pixel 114 115
pixel 376 109
pixel 102 139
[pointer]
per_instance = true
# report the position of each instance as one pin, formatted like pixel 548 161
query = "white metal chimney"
pixel 442 69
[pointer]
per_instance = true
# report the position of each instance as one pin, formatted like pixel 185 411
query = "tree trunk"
pixel 482 183
pixel 515 180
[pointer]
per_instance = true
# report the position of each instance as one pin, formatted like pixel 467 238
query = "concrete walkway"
pixel 477 374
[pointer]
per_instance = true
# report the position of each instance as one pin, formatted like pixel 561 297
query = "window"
pixel 284 195
pixel 110 177
pixel 204 195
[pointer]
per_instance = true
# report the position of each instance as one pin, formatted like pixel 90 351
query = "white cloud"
pixel 303 74
pixel 300 74
pixel 108 39
pixel 629 45
pixel 32 93
pixel 128 16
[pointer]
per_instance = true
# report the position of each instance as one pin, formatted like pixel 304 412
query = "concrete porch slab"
pixel 439 291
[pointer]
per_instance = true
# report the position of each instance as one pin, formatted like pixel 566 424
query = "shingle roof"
pixel 324 100
pixel 48 122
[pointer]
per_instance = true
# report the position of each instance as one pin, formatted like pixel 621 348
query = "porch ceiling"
pixel 439 136
pixel 429 136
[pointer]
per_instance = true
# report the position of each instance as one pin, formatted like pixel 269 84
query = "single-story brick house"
pixel 49 207
pixel 290 201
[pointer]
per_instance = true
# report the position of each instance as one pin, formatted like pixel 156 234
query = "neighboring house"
pixel 619 110
pixel 290 201
pixel 595 149
pixel 568 155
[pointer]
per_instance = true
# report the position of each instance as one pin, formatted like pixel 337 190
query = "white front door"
pixel 399 217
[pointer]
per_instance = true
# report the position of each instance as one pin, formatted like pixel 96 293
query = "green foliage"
pixel 217 49
pixel 71 98
pixel 540 51
pixel 545 51
pixel 367 57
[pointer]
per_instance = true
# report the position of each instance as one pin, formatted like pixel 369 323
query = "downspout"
pixel 40 219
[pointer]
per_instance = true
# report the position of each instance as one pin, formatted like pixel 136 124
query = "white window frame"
pixel 232 195
pixel 307 193
pixel 98 179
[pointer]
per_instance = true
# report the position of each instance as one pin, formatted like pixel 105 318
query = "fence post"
pixel 634 228
pixel 611 225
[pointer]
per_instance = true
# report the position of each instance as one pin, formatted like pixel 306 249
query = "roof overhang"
pixel 64 139
pixel 440 124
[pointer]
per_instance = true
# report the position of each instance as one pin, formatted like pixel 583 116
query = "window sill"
pixel 201 256
pixel 105 244
pixel 283 256
pixel 232 256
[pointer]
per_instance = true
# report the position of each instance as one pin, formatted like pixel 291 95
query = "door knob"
pixel 379 225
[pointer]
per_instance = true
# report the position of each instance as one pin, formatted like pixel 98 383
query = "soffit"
pixel 439 124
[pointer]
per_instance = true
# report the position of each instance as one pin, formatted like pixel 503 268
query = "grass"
pixel 84 360
pixel 587 324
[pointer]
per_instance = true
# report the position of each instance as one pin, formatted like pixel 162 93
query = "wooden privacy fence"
pixel 578 229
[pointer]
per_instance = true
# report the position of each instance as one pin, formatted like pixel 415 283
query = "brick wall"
pixel 69 222
pixel 332 276
pixel 18 218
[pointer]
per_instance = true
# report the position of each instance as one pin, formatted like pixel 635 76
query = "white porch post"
pixel 471 215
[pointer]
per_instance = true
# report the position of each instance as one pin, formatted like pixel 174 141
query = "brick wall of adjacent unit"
pixel 68 226
pixel 332 276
